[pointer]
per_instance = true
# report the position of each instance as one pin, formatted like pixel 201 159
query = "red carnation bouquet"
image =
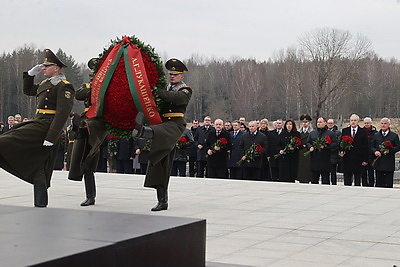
pixel 294 143
pixel 320 144
pixel 346 143
pixel 384 148
pixel 181 143
pixel 221 143
pixel 251 154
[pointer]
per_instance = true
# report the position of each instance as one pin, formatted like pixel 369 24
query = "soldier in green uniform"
pixel 165 135
pixel 29 150
pixel 86 148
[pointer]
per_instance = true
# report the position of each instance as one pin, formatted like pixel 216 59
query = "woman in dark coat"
pixel 321 156
pixel 289 158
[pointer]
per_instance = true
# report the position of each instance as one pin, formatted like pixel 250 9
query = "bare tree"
pixel 335 56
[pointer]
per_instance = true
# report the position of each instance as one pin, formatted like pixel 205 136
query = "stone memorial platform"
pixel 64 237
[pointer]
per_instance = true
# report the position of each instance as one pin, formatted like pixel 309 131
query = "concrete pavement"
pixel 251 223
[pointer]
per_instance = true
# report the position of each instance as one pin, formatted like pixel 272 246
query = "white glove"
pixel 47 143
pixel 35 70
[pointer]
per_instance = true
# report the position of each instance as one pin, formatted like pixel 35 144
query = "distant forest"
pixel 330 73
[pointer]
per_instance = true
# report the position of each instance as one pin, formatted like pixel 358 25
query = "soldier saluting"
pixel 29 150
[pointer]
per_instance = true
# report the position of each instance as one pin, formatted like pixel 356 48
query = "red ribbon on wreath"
pixel 136 76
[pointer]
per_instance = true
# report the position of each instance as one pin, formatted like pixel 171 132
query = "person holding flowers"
pixel 320 142
pixel 368 174
pixel 384 145
pixel 184 142
pixel 218 143
pixel 353 149
pixel 252 147
pixel 289 144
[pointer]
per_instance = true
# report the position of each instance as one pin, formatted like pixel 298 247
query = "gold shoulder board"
pixel 66 82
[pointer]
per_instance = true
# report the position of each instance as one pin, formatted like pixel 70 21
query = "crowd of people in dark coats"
pixel 250 151
pixel 287 153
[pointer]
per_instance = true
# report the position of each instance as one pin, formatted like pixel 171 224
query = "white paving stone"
pixel 251 223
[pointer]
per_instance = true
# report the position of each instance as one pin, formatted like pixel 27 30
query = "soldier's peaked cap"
pixel 91 63
pixel 305 117
pixel 52 59
pixel 175 66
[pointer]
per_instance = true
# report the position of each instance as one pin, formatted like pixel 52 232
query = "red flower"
pixel 294 143
pixel 388 144
pixel 298 141
pixel 182 139
pixel 259 148
pixel 346 143
pixel 251 154
pixel 348 139
pixel 223 141
pixel 328 140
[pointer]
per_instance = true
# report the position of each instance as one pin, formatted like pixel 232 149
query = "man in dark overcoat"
pixel 357 156
pixel 200 139
pixel 165 135
pixel 385 163
pixel 273 149
pixel 55 98
pixel 217 156
pixel 252 169
pixel 321 156
pixel 235 170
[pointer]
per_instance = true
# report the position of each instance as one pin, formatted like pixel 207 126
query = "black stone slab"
pixel 61 237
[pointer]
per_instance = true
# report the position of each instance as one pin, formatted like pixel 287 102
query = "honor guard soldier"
pixel 86 148
pixel 164 136
pixel 34 143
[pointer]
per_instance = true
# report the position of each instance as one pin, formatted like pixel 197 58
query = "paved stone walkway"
pixel 252 223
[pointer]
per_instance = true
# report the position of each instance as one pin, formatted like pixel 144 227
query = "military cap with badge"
pixel 50 59
pixel 175 66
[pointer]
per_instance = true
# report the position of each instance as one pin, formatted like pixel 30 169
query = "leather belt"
pixel 45 111
pixel 173 115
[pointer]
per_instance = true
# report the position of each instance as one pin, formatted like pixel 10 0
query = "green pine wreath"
pixel 119 109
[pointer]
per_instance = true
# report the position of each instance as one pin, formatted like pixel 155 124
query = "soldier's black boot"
pixel 90 188
pixel 162 196
pixel 40 195
pixel 140 130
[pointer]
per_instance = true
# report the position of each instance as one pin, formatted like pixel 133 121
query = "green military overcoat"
pixel 86 148
pixel 166 135
pixel 21 149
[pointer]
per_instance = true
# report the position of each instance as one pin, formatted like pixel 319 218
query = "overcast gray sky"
pixel 210 28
